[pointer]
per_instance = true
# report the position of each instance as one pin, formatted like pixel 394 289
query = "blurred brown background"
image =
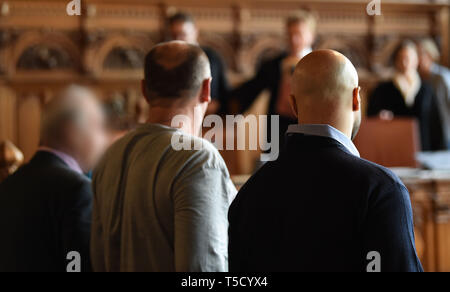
pixel 43 49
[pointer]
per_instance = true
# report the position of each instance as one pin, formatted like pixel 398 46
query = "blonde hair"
pixel 430 47
pixel 303 16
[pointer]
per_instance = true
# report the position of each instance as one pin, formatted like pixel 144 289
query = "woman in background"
pixel 406 95
pixel 11 158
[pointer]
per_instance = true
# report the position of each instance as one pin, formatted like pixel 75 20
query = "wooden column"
pixel 442 219
pixel 445 35
pixel 422 192
pixel 8 117
pixel 29 116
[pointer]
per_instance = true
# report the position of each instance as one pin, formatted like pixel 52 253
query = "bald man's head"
pixel 325 89
pixel 324 75
pixel 175 70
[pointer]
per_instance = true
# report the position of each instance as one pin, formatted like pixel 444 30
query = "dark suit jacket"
pixel 425 109
pixel 45 213
pixel 319 208
pixel 268 77
pixel 220 87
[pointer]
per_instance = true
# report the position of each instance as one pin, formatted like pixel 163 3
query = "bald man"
pixel 159 207
pixel 320 207
pixel 45 207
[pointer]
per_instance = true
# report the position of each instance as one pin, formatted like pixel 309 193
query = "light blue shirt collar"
pixel 325 131
pixel 442 71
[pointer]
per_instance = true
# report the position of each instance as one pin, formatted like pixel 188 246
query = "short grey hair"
pixel 430 47
pixel 175 69
pixel 66 108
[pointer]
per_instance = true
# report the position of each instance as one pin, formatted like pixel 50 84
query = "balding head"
pixel 325 91
pixel 177 83
pixel 73 122
pixel 175 70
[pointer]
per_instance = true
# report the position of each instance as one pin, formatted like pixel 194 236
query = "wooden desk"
pixel 430 197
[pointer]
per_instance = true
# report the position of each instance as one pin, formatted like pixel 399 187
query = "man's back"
pixel 45 211
pixel 157 209
pixel 319 208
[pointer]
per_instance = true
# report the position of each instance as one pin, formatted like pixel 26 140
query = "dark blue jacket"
pixel 320 208
pixel 45 213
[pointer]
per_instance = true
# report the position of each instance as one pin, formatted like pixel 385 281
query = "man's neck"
pixel 172 117
pixel 338 124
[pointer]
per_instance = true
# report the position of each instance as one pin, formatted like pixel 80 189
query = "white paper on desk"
pixel 435 160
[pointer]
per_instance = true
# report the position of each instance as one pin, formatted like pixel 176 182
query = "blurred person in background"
pixel 439 78
pixel 119 122
pixel 11 158
pixel 276 75
pixel 406 95
pixel 45 207
pixel 182 27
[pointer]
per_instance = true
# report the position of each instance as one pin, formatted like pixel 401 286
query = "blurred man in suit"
pixel 45 207
pixel 182 27
pixel 159 207
pixel 439 78
pixel 275 75
pixel 320 207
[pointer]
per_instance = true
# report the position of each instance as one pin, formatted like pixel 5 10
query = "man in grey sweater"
pixel 158 208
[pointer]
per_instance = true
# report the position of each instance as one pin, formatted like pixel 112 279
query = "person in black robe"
pixel 406 95
pixel 275 75
pixel 182 27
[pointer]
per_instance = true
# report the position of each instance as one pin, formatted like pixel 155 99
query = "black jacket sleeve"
pixel 222 81
pixel 389 230
pixel 250 90
pixel 436 128
pixel 76 223
pixel 376 101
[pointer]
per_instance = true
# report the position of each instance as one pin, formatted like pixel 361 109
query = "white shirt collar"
pixel 325 131
pixel 305 52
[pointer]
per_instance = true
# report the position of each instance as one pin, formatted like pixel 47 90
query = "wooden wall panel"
pixel 8 116
pixel 29 117
pixel 443 225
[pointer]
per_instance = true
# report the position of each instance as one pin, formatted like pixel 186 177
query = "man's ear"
pixel 205 93
pixel 356 99
pixel 293 103
pixel 144 91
